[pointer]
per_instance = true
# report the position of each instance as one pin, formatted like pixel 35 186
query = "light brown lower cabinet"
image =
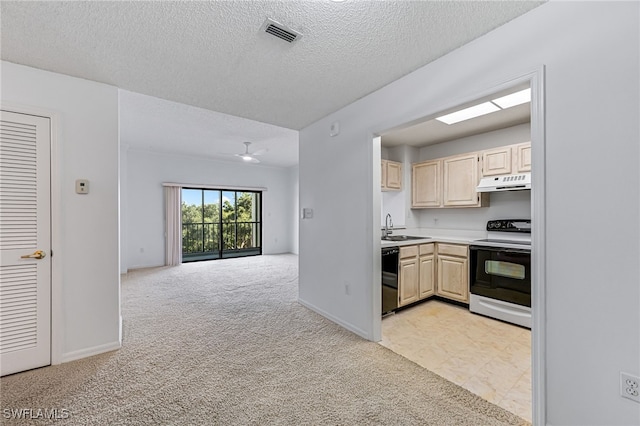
pixel 408 275
pixel 427 263
pixel 416 278
pixel 453 272
pixel 433 269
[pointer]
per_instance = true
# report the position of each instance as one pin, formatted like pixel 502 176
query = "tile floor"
pixel 488 357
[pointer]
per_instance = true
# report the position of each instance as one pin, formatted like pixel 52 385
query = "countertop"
pixel 435 235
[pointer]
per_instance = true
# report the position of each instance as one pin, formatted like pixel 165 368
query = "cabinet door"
pixel 427 279
pixel 426 188
pixel 453 278
pixel 460 180
pixel 408 281
pixel 523 157
pixel 394 175
pixel 383 174
pixel 497 161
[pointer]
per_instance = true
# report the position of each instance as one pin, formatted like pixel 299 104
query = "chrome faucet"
pixel 388 222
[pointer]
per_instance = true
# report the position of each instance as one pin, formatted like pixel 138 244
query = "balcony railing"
pixel 202 238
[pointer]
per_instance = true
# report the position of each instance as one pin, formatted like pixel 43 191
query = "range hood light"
pixel 468 113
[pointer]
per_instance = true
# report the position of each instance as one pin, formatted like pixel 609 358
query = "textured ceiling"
pixel 212 55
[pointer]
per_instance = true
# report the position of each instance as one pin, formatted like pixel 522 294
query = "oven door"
pixel 501 274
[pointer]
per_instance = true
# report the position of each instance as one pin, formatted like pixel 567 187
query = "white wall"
pixel 394 203
pixel 86 312
pixel 124 246
pixel 146 171
pixel 295 208
pixel 398 203
pixel 508 136
pixel 591 54
pixel 502 205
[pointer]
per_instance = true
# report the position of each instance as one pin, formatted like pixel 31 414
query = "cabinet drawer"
pixel 409 251
pixel 453 250
pixel 426 248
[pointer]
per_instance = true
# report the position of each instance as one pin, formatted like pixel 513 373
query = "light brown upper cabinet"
pixel 497 161
pixel 461 177
pixel 523 157
pixel 391 175
pixel 447 182
pixel 426 184
pixel 507 160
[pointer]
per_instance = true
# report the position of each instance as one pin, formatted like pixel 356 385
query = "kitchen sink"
pixel 402 238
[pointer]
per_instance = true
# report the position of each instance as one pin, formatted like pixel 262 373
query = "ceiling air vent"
pixel 276 29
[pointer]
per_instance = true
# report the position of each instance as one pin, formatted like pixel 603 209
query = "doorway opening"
pixel 501 362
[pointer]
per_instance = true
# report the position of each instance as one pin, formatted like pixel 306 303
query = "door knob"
pixel 38 254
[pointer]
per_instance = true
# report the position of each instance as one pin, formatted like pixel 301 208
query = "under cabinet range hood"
pixel 505 183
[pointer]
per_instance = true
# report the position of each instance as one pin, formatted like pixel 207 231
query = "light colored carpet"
pixel 226 343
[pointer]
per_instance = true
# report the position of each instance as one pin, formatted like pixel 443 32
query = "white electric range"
pixel 500 272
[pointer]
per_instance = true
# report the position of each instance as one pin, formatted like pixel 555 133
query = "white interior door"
pixel 25 242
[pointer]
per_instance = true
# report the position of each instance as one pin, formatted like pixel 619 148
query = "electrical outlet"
pixel 629 386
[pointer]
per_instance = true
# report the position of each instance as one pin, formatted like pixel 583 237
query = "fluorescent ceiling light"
pixel 504 102
pixel 514 99
pixel 247 158
pixel 468 113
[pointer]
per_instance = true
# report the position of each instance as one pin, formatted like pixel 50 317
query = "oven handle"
pixel 499 249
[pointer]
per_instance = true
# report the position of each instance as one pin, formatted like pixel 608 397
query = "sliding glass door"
pixel 220 223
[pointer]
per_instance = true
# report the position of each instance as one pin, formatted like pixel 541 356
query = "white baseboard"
pixel 84 353
pixel 338 321
pixel 134 267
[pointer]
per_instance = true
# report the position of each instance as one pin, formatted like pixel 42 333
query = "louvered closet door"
pixel 25 228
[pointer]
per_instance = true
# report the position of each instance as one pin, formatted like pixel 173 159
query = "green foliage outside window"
pixel 240 222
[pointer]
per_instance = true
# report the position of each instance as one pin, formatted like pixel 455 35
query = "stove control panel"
pixel 510 225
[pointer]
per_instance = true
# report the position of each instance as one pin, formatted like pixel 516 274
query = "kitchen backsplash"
pixel 395 204
pixel 503 205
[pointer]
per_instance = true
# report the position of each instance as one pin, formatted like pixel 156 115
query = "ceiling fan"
pixel 250 157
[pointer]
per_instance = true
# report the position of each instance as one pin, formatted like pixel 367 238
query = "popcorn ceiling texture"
pixel 226 343
pixel 211 54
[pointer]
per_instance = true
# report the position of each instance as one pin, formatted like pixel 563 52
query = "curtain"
pixel 173 231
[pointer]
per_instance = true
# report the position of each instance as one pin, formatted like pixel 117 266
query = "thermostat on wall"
pixel 82 186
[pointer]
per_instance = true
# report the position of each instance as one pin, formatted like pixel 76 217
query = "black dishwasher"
pixel 389 279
